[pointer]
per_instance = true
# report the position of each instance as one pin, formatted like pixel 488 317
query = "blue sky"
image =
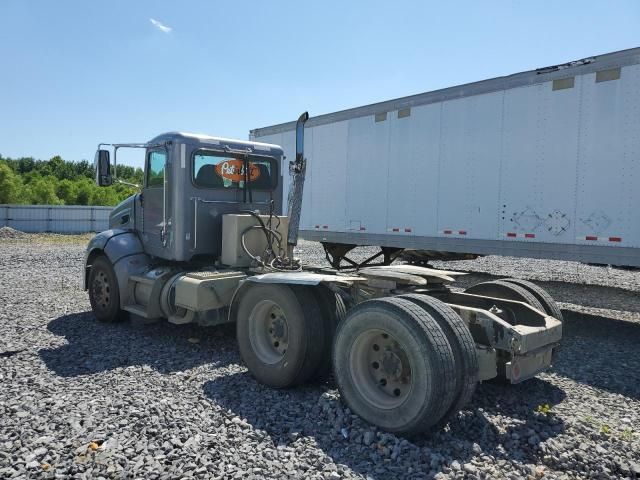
pixel 76 73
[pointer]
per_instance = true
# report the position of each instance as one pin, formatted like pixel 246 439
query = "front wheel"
pixel 104 294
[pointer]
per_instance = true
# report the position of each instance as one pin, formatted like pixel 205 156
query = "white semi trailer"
pixel 541 164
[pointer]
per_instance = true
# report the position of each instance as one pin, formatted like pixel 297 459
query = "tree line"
pixel 60 182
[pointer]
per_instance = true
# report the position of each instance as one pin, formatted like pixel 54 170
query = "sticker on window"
pixel 233 170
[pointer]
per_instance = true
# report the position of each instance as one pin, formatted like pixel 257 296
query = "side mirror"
pixel 103 168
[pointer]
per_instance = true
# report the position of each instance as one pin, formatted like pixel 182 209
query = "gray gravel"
pixel 11 233
pixel 85 400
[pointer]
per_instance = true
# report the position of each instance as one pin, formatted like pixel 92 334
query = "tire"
pixel 505 290
pixel 333 311
pixel 404 382
pixel 341 308
pixel 104 293
pixel 278 327
pixel 462 346
pixel 548 303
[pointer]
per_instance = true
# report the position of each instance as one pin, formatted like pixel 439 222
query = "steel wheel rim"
pixel 381 369
pixel 268 331
pixel 101 290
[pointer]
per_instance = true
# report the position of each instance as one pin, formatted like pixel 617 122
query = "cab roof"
pixel 215 142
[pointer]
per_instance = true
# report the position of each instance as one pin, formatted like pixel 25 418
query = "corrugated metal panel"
pixel 55 218
pixel 607 193
pixel 611 61
pixel 529 171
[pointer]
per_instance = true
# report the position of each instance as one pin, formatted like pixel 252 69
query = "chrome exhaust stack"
pixel 297 169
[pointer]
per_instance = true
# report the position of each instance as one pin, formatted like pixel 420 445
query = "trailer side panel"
pixel 544 167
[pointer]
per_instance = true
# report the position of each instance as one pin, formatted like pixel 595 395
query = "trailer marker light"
pixel 529 235
pixel 325 226
pixel 594 239
pixel 511 235
pixel 395 229
pixel 407 230
pixel 447 232
pixel 462 232
pixel 317 226
pixel 362 228
pixel 615 239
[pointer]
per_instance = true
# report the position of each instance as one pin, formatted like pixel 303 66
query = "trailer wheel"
pixel 278 327
pixel 462 346
pixel 394 366
pixel 507 291
pixel 104 294
pixel 548 303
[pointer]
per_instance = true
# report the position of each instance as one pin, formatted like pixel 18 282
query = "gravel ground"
pixel 86 400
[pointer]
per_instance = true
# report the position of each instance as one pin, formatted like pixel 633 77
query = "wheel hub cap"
pixel 381 369
pixel 391 365
pixel 101 290
pixel 269 331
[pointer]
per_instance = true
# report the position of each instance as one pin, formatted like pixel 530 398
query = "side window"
pixel 155 168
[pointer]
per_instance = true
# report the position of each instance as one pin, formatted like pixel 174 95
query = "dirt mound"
pixel 8 232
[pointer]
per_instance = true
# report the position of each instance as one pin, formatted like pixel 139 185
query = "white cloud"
pixel 160 26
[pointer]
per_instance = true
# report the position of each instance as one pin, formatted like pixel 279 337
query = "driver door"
pixel 153 203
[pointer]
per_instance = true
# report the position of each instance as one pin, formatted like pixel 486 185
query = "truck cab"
pixel 190 182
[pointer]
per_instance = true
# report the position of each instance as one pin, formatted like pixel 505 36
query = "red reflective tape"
pixel 447 232
pixel 462 232
pixel 408 230
pixel 591 238
pixel 396 229
pixel 529 235
pixel 615 239
pixel 511 234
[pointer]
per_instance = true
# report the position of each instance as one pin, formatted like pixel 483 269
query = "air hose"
pixel 274 261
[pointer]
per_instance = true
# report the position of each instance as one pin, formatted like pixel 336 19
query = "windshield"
pixel 219 170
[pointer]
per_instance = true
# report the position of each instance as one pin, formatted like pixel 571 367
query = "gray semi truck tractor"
pixel 204 241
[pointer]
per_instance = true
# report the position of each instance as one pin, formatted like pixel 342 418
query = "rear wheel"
pixel 546 300
pixel 548 303
pixel 278 327
pixel 507 291
pixel 394 366
pixel 462 346
pixel 104 294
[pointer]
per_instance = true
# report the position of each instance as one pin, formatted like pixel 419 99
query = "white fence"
pixel 55 218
